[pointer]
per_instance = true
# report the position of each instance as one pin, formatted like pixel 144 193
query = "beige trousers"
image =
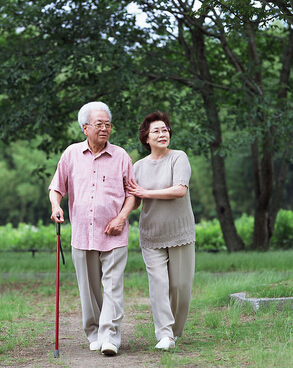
pixel 171 274
pixel 102 313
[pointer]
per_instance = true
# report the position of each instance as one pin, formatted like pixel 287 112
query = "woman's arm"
pixel 176 191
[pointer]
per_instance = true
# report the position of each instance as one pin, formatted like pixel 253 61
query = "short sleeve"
pixel 128 174
pixel 59 182
pixel 181 169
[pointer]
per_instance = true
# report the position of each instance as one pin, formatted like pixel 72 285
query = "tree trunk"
pixel 268 199
pixel 278 193
pixel 220 190
pixel 263 179
pixel 282 94
pixel 232 239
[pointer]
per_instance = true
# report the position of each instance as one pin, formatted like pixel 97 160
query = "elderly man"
pixel 94 173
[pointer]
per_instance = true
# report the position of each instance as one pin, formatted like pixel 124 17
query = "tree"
pixel 227 49
pixel 24 193
pixel 55 56
pixel 222 65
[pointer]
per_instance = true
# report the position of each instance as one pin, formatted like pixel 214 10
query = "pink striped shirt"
pixel 96 194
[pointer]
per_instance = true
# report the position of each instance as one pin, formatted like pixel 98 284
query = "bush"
pixel 133 239
pixel 244 226
pixel 283 233
pixel 29 237
pixel 209 235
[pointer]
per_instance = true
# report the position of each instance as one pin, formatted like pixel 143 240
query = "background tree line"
pixel 26 171
pixel 221 69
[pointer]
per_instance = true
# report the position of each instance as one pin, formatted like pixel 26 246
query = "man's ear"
pixel 84 127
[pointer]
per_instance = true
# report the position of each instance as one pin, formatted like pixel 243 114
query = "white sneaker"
pixel 165 343
pixel 94 345
pixel 109 349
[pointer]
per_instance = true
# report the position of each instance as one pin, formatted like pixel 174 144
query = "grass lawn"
pixel 217 333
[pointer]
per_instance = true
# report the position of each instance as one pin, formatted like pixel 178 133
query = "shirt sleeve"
pixel 181 170
pixel 128 175
pixel 59 182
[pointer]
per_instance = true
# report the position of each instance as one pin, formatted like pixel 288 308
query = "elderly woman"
pixel 167 231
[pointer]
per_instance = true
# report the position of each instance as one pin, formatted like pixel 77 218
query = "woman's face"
pixel 159 136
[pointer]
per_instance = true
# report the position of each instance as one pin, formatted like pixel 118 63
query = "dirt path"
pixel 74 348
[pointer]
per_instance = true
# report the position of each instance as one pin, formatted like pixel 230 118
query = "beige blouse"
pixel 165 222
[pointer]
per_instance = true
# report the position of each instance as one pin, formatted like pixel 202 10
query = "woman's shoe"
pixel 165 343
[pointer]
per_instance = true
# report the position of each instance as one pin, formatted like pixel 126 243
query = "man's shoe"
pixel 94 345
pixel 165 343
pixel 109 349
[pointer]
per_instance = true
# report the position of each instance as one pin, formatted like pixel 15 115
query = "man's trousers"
pixel 100 283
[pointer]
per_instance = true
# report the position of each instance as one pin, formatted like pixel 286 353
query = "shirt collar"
pixel 108 149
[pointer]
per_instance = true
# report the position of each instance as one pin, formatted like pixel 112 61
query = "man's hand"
pixel 57 211
pixel 55 199
pixel 115 226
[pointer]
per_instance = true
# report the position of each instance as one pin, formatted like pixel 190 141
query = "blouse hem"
pixel 177 244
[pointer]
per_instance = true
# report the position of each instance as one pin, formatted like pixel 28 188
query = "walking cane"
pixel 59 249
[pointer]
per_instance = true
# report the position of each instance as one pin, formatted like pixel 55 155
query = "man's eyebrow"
pixel 102 121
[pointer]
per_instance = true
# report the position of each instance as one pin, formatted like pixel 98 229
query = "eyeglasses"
pixel 99 126
pixel 157 131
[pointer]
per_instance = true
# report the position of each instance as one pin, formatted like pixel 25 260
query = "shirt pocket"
pixel 113 186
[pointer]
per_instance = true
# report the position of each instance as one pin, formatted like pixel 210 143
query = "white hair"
pixel 84 112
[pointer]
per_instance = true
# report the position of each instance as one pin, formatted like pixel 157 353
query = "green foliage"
pixel 208 235
pixel 24 182
pixel 133 238
pixel 55 57
pixel 283 233
pixel 58 55
pixel 28 237
pixel 244 226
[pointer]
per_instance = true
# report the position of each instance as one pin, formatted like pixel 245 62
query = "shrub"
pixel 209 235
pixel 244 226
pixel 29 237
pixel 283 233
pixel 133 239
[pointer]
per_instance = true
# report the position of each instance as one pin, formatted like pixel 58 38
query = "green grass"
pixel 14 262
pixel 45 262
pixel 218 333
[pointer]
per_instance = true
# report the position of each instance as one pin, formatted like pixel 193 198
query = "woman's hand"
pixel 134 189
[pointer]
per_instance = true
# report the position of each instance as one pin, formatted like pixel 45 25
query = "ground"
pixel 74 348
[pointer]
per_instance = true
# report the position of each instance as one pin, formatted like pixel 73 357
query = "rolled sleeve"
pixel 181 170
pixel 59 182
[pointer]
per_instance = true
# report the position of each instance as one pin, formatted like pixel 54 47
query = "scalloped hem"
pixel 162 246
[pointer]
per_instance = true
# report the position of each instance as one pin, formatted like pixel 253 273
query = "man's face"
pixel 98 135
